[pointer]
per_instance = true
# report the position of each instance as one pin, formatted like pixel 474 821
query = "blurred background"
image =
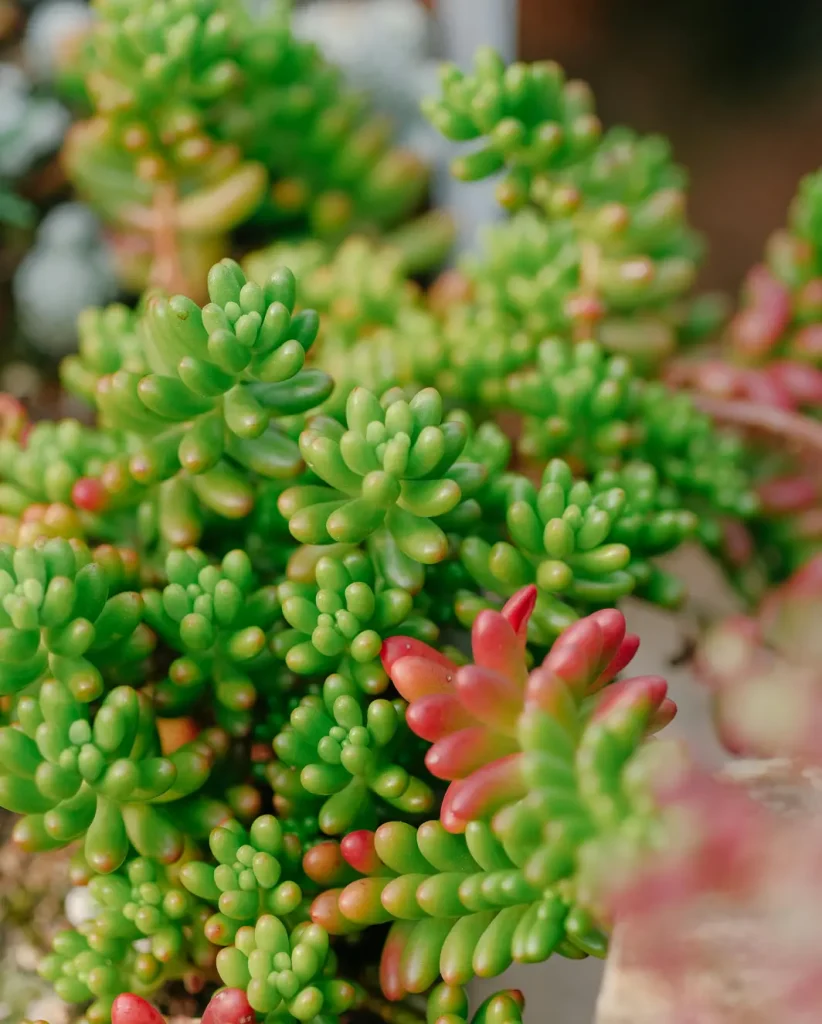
pixel 735 84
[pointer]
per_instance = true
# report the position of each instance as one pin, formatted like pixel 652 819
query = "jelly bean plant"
pixel 311 648
pixel 199 117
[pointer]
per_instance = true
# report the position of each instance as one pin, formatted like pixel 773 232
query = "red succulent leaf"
pixel 391 971
pixel 498 638
pixel 230 1006
pixel 437 715
pixel 417 676
pixel 497 647
pixel 458 755
pixel 755 330
pixel 650 691
pixel 358 850
pixel 396 647
pixel 768 388
pixel 130 1009
pixel 724 380
pixel 621 645
pixel 491 697
pixel 587 655
pixel 801 381
pixel 550 693
pixel 325 865
pixel 518 610
pixel 89 494
pixel 482 794
pixel 471 714
pixel 325 911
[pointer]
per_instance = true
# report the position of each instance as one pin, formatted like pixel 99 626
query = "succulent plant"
pixel 448 1004
pixel 603 247
pixel 341 622
pixel 394 471
pixel 141 906
pixel 251 876
pixel 346 751
pixel 258 125
pixel 237 596
pixel 220 622
pixel 72 774
pixel 221 374
pixel 289 976
pixel 52 462
pixel 766 380
pixel 580 543
pixel 79 974
pixel 584 404
pixel 66 614
pixel 532 791
pixel 782 302
pixel 357 289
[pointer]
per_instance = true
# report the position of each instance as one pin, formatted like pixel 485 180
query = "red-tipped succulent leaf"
pixel 229 1006
pixel 130 1009
pixel 470 714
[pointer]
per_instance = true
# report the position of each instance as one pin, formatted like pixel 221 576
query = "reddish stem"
pixel 167 269
pixel 801 429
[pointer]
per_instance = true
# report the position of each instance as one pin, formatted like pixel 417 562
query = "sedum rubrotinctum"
pixel 257 759
pixel 317 674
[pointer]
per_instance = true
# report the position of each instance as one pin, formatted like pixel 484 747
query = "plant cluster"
pixel 236 608
pixel 386 527
pixel 203 116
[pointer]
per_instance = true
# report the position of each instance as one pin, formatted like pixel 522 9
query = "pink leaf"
pixel 484 793
pixel 518 610
pixel 576 654
pixel 358 850
pixel 497 646
pixel 650 692
pixel 490 696
pixel 417 677
pixel 619 647
pixel 756 329
pixel 391 981
pixel 463 752
pixel 230 1006
pixel 551 693
pixel 803 382
pixel 788 494
pixel 437 715
pixel 130 1009
pixel 396 647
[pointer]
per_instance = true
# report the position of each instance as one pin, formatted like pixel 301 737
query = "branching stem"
pixel 167 268
pixel 802 430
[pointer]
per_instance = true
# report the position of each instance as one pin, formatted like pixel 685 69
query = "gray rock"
pixel 49 28
pixel 67 270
